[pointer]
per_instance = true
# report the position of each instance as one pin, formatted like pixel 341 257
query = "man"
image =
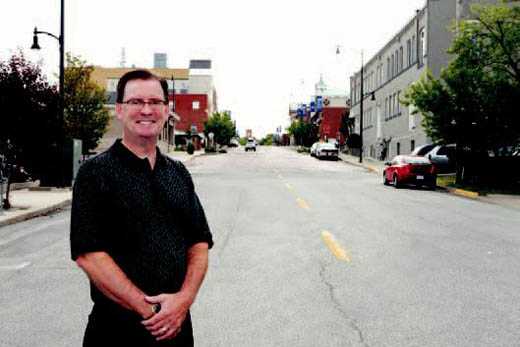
pixel 138 229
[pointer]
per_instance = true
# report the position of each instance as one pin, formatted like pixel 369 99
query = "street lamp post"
pixel 61 103
pixel 173 112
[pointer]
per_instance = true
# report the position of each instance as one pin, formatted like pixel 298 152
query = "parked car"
pixel 406 169
pixel 312 151
pixel 250 145
pixel 422 150
pixel 233 143
pixel 443 157
pixel 326 150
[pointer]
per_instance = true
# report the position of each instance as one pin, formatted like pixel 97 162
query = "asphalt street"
pixel 307 253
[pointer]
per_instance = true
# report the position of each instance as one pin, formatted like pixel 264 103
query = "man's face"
pixel 142 121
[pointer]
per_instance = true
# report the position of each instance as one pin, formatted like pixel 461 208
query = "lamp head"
pixel 373 98
pixel 35 44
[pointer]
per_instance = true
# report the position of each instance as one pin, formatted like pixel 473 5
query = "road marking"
pixel 339 252
pixel 288 186
pixel 15 267
pixel 280 176
pixel 303 204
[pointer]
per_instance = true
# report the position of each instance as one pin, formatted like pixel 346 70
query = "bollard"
pixel 1 196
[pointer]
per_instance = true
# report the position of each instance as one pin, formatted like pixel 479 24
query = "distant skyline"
pixel 264 55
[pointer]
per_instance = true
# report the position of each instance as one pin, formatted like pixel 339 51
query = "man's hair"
pixel 139 75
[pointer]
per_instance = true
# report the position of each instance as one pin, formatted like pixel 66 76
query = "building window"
pixel 398 103
pixel 413 48
pixel 388 69
pixel 422 46
pixel 396 69
pixel 386 108
pixel 398 148
pixel 392 62
pixel 412 145
pixel 408 53
pixel 196 105
pixel 401 58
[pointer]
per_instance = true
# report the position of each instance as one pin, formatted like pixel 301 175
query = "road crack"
pixel 351 322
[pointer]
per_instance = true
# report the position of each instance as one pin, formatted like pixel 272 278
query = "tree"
pixel 29 115
pixel 473 103
pixel 305 133
pixel 268 140
pixel 222 127
pixel 85 117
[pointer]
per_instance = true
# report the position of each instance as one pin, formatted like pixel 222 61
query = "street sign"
pixel 313 108
pixel 319 103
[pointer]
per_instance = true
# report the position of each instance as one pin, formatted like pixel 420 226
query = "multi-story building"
pixel 160 60
pixel 418 47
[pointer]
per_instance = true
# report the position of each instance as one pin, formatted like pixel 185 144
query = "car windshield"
pixel 327 146
pixel 423 149
pixel 416 160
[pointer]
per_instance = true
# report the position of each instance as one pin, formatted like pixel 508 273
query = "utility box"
pixel 62 166
pixel 73 157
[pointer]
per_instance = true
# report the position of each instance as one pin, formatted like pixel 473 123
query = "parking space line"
pixel 339 252
pixel 303 204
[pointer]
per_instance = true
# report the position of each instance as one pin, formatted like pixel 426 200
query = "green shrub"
pixel 222 150
pixel 210 150
pixel 303 149
pixel 180 149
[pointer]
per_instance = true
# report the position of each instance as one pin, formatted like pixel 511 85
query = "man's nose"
pixel 146 109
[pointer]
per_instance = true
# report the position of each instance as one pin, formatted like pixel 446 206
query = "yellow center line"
pixel 339 252
pixel 303 204
pixel 288 186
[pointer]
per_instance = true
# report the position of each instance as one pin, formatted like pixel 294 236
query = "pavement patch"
pixel 339 252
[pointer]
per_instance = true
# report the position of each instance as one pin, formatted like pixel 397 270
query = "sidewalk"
pixel 370 164
pixel 28 203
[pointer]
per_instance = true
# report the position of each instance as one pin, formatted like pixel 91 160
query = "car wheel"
pixel 385 181
pixel 397 184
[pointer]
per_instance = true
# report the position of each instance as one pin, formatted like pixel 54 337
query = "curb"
pixel 467 193
pixel 35 213
pixel 369 168
pixel 461 192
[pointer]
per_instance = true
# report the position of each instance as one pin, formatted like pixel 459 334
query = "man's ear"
pixel 119 111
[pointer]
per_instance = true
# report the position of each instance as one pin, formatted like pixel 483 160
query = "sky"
pixel 265 54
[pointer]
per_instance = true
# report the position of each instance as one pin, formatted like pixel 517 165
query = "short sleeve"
pixel 197 228
pixel 86 213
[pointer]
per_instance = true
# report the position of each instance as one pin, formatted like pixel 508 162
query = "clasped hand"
pixel 166 324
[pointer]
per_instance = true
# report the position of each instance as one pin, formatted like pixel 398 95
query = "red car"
pixel 405 169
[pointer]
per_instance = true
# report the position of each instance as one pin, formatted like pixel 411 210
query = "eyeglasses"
pixel 153 104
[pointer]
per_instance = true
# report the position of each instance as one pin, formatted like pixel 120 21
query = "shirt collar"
pixel 128 157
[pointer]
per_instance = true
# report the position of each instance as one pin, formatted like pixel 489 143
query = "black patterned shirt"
pixel 145 219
